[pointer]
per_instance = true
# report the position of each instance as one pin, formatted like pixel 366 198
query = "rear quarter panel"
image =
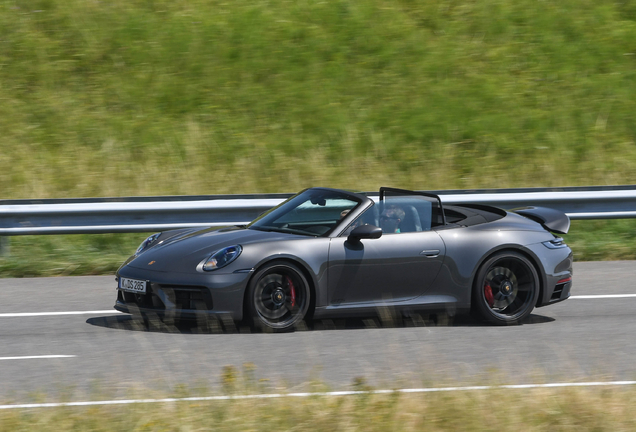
pixel 468 247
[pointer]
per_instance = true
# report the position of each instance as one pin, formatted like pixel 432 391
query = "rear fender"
pixel 529 254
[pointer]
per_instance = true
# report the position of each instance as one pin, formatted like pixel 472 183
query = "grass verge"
pixel 67 255
pixel 101 254
pixel 572 409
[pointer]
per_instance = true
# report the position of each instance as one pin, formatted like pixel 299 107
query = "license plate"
pixel 132 285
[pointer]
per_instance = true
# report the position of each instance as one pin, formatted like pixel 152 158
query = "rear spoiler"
pixel 552 220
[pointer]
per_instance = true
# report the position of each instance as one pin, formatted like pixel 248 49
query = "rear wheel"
pixel 278 297
pixel 506 288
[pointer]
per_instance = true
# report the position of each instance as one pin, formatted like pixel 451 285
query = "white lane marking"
pixel 602 296
pixel 35 314
pixel 37 357
pixel 309 394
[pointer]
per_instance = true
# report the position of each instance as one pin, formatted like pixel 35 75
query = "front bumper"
pixel 188 296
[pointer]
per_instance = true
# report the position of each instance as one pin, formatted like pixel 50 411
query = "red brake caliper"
pixel 292 290
pixel 488 294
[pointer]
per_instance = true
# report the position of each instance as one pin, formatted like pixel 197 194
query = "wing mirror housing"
pixel 364 232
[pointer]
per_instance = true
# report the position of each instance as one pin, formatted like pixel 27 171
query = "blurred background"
pixel 153 97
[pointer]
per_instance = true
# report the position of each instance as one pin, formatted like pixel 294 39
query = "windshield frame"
pixel 265 222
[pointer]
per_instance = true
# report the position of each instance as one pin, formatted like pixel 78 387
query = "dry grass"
pixel 575 409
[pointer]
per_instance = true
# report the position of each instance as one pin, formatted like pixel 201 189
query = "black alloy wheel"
pixel 506 288
pixel 278 297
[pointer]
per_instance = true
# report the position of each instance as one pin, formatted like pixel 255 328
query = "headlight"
pixel 144 244
pixel 222 257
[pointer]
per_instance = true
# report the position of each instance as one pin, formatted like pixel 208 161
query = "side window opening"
pixel 369 217
pixel 403 211
pixel 402 215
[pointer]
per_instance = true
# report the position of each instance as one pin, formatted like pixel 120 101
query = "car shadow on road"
pixel 128 322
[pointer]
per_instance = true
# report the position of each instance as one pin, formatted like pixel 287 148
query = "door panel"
pixel 395 267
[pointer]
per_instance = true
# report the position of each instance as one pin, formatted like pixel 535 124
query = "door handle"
pixel 430 253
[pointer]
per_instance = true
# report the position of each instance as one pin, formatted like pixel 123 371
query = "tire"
pixel 505 289
pixel 278 297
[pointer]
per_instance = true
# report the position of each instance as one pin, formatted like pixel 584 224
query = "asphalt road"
pixel 111 354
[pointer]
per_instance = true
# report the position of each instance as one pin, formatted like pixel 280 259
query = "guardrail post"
pixel 5 247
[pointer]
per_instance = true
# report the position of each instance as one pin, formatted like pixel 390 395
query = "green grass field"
pixel 144 97
pixel 154 97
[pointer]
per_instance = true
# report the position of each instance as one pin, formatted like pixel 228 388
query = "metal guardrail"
pixel 145 214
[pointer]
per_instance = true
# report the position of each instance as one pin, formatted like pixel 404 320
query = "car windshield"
pixel 313 212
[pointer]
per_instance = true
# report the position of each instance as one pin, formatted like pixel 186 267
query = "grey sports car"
pixel 327 252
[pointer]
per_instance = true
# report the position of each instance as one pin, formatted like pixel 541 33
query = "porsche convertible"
pixel 334 253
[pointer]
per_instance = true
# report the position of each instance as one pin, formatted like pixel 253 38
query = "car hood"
pixel 183 251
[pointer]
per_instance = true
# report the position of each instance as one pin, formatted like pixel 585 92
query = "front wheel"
pixel 505 289
pixel 278 297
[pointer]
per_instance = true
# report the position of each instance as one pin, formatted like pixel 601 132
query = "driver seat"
pixel 411 222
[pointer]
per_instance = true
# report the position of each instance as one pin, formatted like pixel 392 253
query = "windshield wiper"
pixel 266 228
pixel 282 230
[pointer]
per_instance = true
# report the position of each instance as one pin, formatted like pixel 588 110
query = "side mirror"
pixel 364 232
